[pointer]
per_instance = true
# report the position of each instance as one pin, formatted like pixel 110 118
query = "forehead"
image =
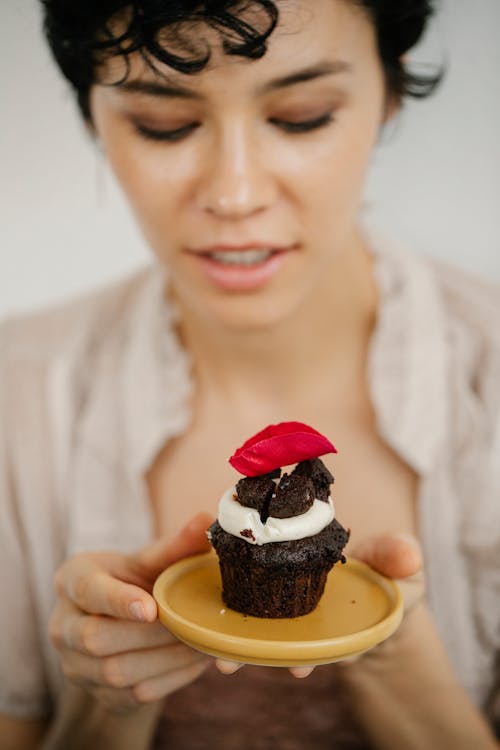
pixel 310 33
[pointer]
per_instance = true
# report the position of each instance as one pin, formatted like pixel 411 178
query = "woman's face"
pixel 246 178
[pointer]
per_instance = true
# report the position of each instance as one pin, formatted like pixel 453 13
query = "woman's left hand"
pixel 396 556
pixel 405 692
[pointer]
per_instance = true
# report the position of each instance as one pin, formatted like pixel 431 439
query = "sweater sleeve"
pixel 23 688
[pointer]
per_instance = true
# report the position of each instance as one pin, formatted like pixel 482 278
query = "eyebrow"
pixel 307 74
pixel 154 88
pixel 170 90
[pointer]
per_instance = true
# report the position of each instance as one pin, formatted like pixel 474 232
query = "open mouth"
pixel 245 258
pixel 241 269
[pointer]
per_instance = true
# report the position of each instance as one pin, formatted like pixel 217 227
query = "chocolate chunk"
pixel 294 496
pixel 317 472
pixel 256 492
pixel 248 534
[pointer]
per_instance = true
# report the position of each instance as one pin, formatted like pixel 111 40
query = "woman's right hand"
pixel 105 625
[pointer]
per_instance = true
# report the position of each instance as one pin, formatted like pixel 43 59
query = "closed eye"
pixel 171 136
pixel 303 126
pixel 289 126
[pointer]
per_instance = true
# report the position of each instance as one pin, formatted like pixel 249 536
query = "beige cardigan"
pixel 90 390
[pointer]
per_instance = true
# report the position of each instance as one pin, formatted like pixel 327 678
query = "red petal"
pixel 279 445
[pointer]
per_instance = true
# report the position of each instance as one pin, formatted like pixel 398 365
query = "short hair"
pixel 81 36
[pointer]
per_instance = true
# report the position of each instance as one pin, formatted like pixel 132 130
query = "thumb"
pixel 393 555
pixel 191 540
pixel 397 556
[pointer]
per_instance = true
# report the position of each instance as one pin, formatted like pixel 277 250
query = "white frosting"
pixel 236 518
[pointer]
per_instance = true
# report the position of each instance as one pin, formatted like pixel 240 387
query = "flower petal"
pixel 279 445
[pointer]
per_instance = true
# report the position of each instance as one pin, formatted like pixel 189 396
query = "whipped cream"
pixel 245 523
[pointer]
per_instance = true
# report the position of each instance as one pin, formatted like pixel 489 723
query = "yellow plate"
pixel 358 610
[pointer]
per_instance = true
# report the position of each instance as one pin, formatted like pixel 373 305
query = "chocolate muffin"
pixel 277 539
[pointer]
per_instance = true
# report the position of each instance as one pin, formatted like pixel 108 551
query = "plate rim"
pixel 266 651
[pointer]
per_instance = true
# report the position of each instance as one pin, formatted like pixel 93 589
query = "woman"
pixel 241 134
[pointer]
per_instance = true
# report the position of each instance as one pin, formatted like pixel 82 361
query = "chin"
pixel 246 314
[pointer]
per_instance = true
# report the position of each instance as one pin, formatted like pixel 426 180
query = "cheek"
pixel 330 179
pixel 157 187
pixel 153 179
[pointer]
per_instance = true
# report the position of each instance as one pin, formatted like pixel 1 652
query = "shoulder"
pixel 462 308
pixel 472 313
pixel 444 323
pixel 471 301
pixel 51 361
pixel 78 324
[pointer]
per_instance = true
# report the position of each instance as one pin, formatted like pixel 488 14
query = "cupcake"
pixel 276 535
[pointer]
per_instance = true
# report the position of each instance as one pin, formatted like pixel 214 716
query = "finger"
pixel 393 555
pixel 118 701
pixel 93 590
pixel 131 668
pixel 227 667
pixel 158 687
pixel 126 670
pixel 191 540
pixel 301 672
pixel 96 635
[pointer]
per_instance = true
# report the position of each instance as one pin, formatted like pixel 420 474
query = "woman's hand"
pixel 394 555
pixel 105 625
pixel 405 692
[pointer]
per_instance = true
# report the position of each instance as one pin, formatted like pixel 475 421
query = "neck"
pixel 328 334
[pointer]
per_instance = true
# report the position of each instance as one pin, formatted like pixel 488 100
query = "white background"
pixel 435 181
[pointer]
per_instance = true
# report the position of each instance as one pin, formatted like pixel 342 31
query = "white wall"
pixel 435 181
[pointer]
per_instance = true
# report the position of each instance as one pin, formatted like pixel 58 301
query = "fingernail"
pixel 302 672
pixel 227 667
pixel 137 611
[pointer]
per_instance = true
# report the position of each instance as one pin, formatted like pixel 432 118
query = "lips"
pixel 241 267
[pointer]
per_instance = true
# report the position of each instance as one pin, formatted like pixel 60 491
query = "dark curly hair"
pixel 82 36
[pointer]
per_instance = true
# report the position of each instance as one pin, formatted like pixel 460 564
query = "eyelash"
pixel 165 135
pixel 305 126
pixel 294 128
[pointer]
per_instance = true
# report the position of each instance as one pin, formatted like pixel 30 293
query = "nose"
pixel 235 182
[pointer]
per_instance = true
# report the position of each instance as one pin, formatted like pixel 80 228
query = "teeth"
pixel 242 257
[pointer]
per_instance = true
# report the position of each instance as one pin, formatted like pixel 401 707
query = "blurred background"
pixel 434 183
